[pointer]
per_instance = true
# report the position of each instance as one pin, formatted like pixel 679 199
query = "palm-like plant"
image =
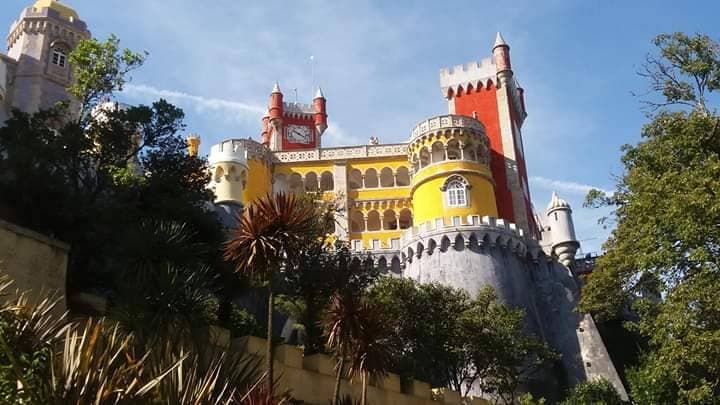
pixel 357 333
pixel 271 231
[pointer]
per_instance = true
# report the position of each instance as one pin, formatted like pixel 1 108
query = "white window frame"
pixel 59 57
pixel 456 191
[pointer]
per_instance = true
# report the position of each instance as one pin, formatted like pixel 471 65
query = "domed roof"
pixel 557 202
pixel 64 10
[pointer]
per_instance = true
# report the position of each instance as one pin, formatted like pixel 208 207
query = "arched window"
pixel 59 56
pixel 455 189
pixel 371 178
pixel 405 219
pixel 402 177
pixel 453 150
pixel 326 182
pixel 357 222
pixel 311 182
pixel 389 220
pixel 355 179
pixel 296 183
pixel 219 173
pixel 424 157
pixel 373 221
pixel 438 152
pixel 280 184
pixel 387 177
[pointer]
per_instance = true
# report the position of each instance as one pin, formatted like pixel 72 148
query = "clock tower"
pixel 294 126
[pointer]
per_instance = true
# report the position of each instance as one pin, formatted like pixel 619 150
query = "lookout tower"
pixel 40 41
pixel 294 126
pixel 487 90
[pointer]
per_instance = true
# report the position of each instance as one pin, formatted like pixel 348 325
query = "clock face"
pixel 298 134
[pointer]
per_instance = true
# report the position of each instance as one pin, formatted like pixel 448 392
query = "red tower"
pixel 488 91
pixel 292 126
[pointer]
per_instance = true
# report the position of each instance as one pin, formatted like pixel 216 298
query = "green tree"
pixel 599 392
pixel 270 234
pixel 444 337
pixel 662 258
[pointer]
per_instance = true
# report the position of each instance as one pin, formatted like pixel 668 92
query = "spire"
pixel 557 202
pixel 319 93
pixel 276 88
pixel 500 41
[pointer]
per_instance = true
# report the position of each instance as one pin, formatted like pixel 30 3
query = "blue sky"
pixel 378 64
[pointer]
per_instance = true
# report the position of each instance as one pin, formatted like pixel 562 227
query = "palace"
pixel 451 205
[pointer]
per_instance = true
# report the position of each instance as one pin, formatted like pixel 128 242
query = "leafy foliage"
pixel 662 259
pixel 599 392
pixel 96 361
pixel 444 337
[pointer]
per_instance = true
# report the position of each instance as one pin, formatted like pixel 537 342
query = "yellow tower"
pixel 193 141
pixel 451 175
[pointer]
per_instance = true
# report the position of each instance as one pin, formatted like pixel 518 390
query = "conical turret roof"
pixel 557 202
pixel 499 40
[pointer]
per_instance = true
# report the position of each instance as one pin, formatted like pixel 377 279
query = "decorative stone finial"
pixel 319 93
pixel 276 88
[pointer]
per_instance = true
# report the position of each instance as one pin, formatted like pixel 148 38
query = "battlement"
pixel 228 152
pixel 475 74
pixel 473 231
pixel 443 122
pixel 298 108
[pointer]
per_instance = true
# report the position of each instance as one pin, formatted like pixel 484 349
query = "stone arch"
pixel 470 152
pixel 402 177
pixel 444 243
pixel 371 178
pixel 438 152
pixel 357 221
pixel 295 183
pixel 243 178
pixel 420 249
pixel 280 183
pixel 311 182
pixel 390 221
pixel 382 264
pixel 405 219
pixel 410 253
pixel 232 174
pixel 326 181
pixel 373 221
pixel 425 157
pixel 473 242
pixel 431 246
pixel 219 173
pixel 415 163
pixel 459 243
pixel 355 179
pixel 387 178
pixel 453 150
pixel 395 265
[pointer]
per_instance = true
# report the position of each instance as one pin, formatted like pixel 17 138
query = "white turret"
pixel 562 230
pixel 228 165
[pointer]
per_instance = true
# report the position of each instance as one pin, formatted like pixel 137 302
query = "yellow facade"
pixel 259 180
pixel 383 190
pixel 430 202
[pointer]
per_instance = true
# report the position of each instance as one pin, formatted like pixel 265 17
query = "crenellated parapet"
pixel 467 77
pixel 472 233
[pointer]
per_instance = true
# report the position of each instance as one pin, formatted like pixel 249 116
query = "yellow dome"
pixel 64 10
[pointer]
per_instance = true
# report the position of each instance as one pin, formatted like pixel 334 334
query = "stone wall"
pixel 35 262
pixel 312 378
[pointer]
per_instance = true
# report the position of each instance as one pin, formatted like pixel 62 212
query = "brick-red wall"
pixel 483 101
pixel 309 122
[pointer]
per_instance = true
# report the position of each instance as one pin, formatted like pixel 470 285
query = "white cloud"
pixel 564 186
pixel 199 102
